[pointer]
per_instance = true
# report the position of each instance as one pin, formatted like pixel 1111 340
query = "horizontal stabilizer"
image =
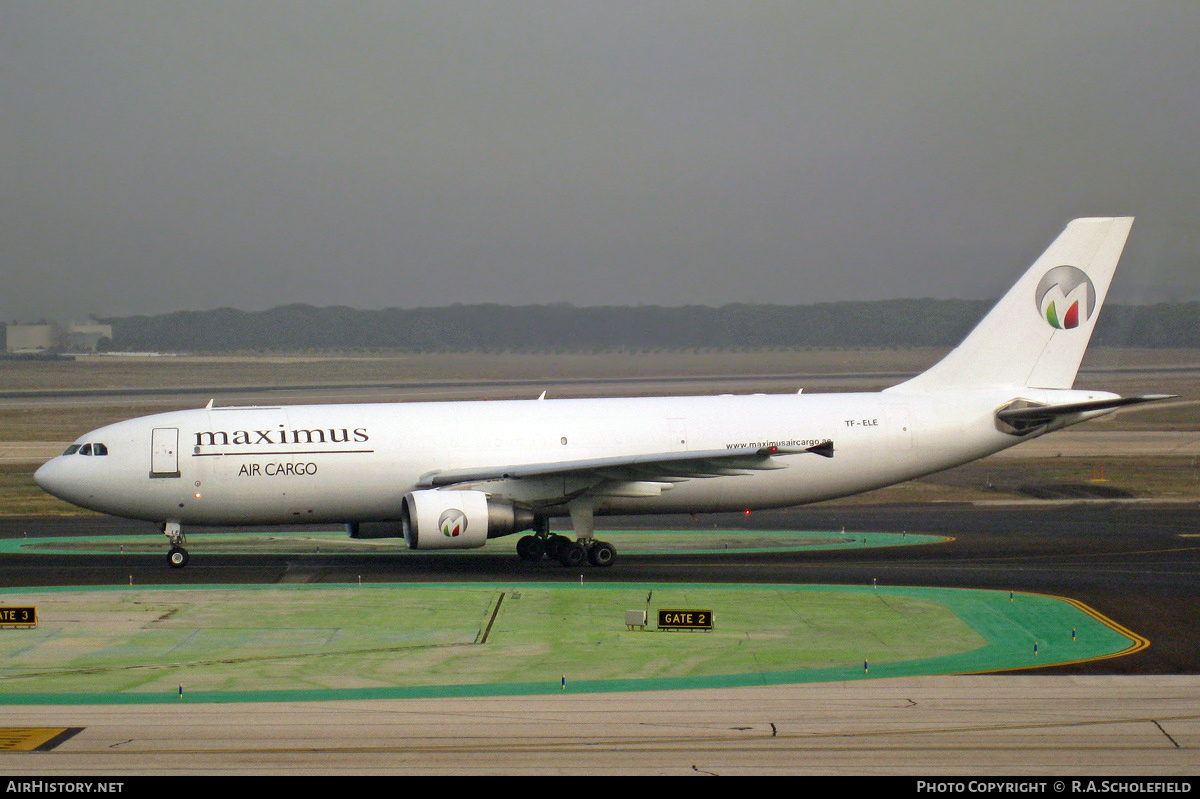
pixel 1025 418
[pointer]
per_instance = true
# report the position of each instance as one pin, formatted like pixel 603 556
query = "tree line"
pixel 487 327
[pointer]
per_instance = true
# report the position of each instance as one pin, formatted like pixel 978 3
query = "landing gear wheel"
pixel 602 554
pixel 572 554
pixel 530 548
pixel 554 545
pixel 177 557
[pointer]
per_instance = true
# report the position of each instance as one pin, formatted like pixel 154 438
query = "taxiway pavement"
pixel 1137 563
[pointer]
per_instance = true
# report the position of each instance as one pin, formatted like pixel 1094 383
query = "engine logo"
pixel 452 522
pixel 1059 295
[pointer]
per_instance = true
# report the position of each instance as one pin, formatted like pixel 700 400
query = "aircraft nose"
pixel 51 478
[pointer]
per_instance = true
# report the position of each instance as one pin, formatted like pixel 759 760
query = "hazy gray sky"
pixel 166 156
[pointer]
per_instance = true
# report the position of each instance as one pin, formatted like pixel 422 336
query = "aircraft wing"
pixel 664 466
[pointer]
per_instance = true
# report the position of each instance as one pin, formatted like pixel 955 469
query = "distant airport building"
pixel 87 337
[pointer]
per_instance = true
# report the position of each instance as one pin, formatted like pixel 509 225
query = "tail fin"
pixel 1036 335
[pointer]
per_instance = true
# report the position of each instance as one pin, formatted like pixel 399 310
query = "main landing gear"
pixel 569 553
pixel 177 556
pixel 532 548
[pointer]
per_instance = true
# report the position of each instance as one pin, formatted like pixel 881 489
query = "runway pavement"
pixel 1133 562
pixel 1136 563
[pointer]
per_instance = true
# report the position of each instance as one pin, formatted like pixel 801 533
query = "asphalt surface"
pixel 1136 563
pixel 1132 715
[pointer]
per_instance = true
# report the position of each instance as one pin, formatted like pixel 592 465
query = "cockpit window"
pixel 87 449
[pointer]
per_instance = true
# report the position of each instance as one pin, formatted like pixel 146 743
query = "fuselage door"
pixel 899 427
pixel 164 452
pixel 678 435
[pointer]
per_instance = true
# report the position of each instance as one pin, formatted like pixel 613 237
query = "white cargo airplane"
pixel 450 475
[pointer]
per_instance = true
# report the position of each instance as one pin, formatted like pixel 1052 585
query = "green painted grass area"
pixel 626 541
pixel 380 641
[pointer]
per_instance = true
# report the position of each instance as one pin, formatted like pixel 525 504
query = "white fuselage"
pixel 354 463
pixel 454 474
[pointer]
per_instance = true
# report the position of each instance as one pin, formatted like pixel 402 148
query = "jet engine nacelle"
pixel 434 519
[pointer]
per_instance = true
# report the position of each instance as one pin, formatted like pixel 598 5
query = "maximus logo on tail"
pixel 1059 294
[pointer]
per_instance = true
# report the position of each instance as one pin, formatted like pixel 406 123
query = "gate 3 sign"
pixel 18 617
pixel 685 620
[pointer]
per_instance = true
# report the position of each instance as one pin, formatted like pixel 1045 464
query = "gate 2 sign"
pixel 685 620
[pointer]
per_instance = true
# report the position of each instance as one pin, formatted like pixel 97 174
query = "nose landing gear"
pixel 177 556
